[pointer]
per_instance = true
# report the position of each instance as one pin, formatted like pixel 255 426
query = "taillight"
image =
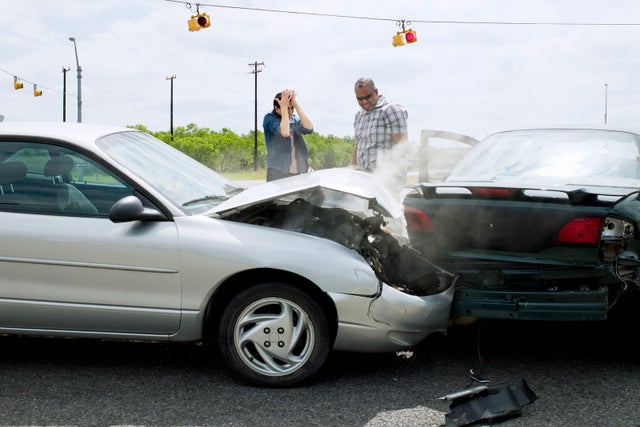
pixel 581 230
pixel 417 220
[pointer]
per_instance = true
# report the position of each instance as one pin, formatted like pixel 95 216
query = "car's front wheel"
pixel 274 334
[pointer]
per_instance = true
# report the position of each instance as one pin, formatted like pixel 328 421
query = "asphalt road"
pixel 584 375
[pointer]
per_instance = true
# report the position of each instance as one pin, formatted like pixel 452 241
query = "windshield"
pixel 554 157
pixel 182 180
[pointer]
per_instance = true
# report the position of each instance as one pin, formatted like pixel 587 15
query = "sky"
pixel 461 75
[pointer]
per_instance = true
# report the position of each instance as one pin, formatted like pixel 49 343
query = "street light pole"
pixel 75 48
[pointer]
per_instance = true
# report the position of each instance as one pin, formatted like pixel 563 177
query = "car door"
pixel 438 152
pixel 68 269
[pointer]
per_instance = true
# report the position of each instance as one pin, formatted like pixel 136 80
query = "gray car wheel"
pixel 274 334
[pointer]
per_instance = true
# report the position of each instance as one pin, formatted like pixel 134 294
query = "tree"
pixel 226 151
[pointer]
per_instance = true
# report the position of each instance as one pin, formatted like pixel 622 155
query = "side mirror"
pixel 130 208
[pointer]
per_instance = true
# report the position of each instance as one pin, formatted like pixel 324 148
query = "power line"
pixel 422 21
pixel 30 82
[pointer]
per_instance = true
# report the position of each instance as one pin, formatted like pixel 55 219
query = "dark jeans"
pixel 273 174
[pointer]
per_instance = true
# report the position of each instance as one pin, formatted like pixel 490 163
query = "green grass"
pixel 260 174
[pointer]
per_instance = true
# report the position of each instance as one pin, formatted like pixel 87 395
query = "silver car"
pixel 110 233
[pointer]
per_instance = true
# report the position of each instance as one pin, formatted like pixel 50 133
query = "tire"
pixel 274 334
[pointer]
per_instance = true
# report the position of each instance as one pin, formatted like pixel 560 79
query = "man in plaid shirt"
pixel 379 125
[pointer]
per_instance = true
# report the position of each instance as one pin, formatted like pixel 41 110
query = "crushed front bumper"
pixel 392 321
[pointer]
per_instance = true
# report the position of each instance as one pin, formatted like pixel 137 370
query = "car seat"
pixel 67 197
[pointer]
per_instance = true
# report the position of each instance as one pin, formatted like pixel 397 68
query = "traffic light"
pixel 410 36
pixel 403 36
pixel 16 84
pixel 199 21
pixel 36 92
pixel 398 39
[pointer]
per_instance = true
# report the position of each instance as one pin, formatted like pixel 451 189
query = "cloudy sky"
pixel 462 75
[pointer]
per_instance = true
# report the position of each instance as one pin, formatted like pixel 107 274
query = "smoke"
pixel 391 171
pixel 409 163
pixel 392 167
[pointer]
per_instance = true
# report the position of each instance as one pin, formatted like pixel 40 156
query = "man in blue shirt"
pixel 287 153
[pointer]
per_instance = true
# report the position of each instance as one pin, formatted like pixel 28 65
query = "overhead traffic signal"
pixel 409 36
pixel 16 84
pixel 199 21
pixel 36 92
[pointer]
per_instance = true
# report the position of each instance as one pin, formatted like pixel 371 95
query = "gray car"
pixel 110 233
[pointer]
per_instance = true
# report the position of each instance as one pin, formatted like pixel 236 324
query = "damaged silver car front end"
pixel 353 209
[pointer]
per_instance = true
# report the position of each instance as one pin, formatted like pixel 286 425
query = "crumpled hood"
pixel 351 208
pixel 346 188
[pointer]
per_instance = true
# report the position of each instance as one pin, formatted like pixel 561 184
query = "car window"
pixel 48 179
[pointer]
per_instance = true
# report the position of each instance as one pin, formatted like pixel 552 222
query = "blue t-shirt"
pixel 279 148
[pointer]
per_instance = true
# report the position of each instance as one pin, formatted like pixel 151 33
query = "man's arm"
pixel 354 155
pixel 398 117
pixel 400 137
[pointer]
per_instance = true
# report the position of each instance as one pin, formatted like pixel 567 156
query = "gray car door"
pixel 76 271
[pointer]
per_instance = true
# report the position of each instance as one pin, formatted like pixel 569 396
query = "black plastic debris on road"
pixel 488 403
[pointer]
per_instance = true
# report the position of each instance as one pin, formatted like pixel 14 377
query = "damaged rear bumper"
pixel 553 305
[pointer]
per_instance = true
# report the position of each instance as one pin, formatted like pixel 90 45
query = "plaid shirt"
pixel 374 130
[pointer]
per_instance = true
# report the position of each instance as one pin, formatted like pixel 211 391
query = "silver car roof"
pixel 81 134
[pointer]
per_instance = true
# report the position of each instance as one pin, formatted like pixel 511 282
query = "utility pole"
pixel 255 72
pixel 64 94
pixel 172 78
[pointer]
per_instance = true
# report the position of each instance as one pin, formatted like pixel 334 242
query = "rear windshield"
pixel 554 157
